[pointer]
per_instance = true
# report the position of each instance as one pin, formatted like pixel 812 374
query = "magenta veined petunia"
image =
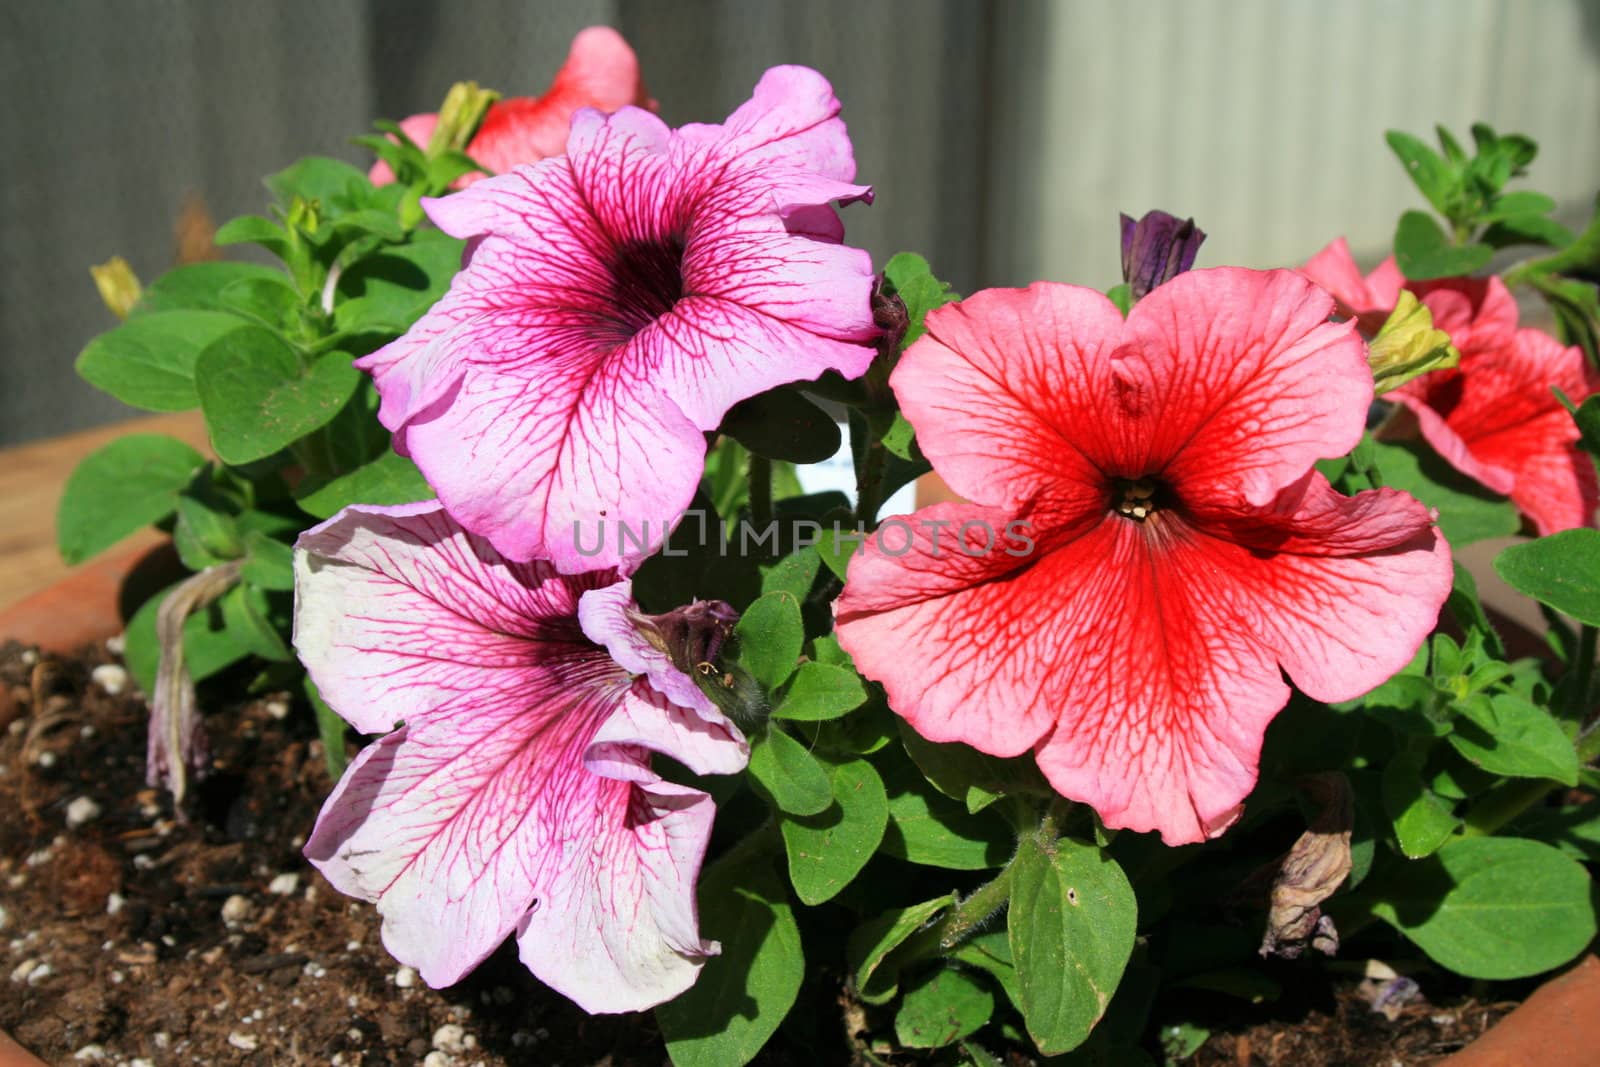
pixel 614 303
pixel 1184 553
pixel 513 791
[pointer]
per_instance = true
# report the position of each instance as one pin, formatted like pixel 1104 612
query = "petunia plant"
pixel 1186 686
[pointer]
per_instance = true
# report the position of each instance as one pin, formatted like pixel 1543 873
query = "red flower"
pixel 1493 417
pixel 601 72
pixel 1168 551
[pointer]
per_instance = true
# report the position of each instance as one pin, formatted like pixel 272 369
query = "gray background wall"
pixel 1002 138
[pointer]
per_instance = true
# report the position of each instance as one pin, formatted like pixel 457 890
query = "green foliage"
pixel 1071 928
pixel 149 361
pixel 121 487
pixel 941 1010
pixel 1467 512
pixel 827 850
pixel 910 277
pixel 1562 570
pixel 1493 907
pixel 260 396
pixel 789 775
pixel 771 635
pixel 742 994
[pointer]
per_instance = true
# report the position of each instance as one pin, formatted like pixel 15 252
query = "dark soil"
pixel 132 937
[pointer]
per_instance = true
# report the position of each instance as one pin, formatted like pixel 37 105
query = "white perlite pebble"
pixel 284 884
pixel 405 977
pixel 46 760
pixel 82 810
pixel 116 644
pixel 244 1042
pixel 140 1061
pixel 236 909
pixel 40 973
pixel 21 971
pixel 89 1053
pixel 5 917
pixel 451 1037
pixel 438 1059
pixel 110 677
pixel 278 708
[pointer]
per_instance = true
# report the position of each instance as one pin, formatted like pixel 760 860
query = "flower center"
pixel 1137 498
pixel 646 282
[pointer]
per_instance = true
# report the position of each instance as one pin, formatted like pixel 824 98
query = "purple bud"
pixel 1156 249
pixel 692 635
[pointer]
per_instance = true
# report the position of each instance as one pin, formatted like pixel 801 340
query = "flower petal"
pixel 465 829
pixel 399 611
pixel 1238 383
pixel 1040 359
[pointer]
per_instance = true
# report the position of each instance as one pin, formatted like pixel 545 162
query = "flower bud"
pixel 1408 345
pixel 119 286
pixel 462 112
pixel 1156 249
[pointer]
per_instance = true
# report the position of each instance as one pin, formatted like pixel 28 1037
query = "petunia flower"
pixel 615 302
pixel 1493 417
pixel 601 71
pixel 512 791
pixel 1149 549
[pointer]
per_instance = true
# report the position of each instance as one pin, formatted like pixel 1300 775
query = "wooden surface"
pixel 31 479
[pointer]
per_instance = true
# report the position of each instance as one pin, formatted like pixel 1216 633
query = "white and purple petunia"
pixel 614 303
pixel 513 790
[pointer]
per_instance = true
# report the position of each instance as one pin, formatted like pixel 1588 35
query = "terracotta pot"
pixel 1559 1024
pixel 93 602
pixel 14 1055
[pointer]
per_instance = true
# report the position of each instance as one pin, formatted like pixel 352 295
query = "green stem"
pixel 870 469
pixel 1504 803
pixel 760 491
pixel 1585 671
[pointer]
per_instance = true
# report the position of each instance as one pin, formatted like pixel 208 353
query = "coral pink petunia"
pixel 514 793
pixel 1149 549
pixel 615 302
pixel 1493 417
pixel 601 72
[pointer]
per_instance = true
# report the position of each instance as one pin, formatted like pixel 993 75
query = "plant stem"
pixel 1503 804
pixel 871 464
pixel 760 491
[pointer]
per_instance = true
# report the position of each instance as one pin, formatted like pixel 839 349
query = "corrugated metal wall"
pixel 1002 138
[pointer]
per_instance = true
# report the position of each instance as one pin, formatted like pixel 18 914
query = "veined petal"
pixel 1007 392
pixel 399 611
pixel 1238 383
pixel 946 632
pixel 791 117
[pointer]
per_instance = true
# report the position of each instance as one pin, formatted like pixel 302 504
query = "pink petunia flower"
pixel 601 72
pixel 1149 548
pixel 1493 417
pixel 615 302
pixel 515 792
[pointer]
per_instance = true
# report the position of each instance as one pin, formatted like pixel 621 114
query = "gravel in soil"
pixel 138 938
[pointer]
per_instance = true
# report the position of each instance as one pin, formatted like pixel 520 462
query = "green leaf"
pixel 836 550
pixel 247 616
pixel 209 644
pixel 1587 416
pixel 268 301
pixel 333 182
pixel 931 830
pixel 1527 230
pixel 942 1009
pixel 1493 907
pixel 783 424
pixel 1422 250
pixel 793 574
pixel 253 229
pixel 149 360
pixel 962 772
pixel 1422 822
pixel 991 952
pixel 788 775
pixel 269 563
pixel 390 290
pixel 1071 927
pixel 200 286
pixel 1467 513
pixel 389 479
pixel 872 944
pixel 770 638
pixel 913 280
pixel 120 488
pixel 744 993
pixel 331 729
pixel 206 533
pixel 901 438
pixel 1436 178
pixel 820 691
pixel 259 398
pixel 1506 734
pixel 1522 202
pixel 827 850
pixel 1562 570
pixel 1573 828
